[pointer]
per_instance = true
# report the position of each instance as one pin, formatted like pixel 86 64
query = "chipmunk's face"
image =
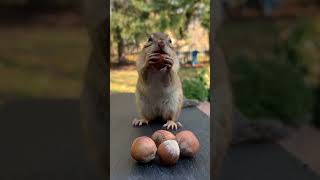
pixel 158 54
pixel 159 43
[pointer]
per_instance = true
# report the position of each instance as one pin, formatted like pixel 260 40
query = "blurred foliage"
pixel 132 20
pixel 302 48
pixel 204 76
pixel 270 88
pixel 288 42
pixel 198 86
pixel 205 14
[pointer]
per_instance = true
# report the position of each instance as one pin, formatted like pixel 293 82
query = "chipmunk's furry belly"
pixel 160 104
pixel 164 104
pixel 158 99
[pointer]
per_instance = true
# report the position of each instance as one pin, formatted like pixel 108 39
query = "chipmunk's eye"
pixel 170 41
pixel 150 39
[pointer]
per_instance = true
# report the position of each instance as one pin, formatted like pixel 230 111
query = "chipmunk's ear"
pixel 149 40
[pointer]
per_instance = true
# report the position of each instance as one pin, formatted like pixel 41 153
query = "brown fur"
pixel 158 92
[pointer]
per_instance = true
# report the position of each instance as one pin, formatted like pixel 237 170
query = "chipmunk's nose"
pixel 161 44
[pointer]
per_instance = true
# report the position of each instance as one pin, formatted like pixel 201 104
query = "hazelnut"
pixel 143 149
pixel 168 152
pixel 159 63
pixel 162 135
pixel 188 143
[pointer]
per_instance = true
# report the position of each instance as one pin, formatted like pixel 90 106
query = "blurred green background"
pixel 271 46
pixel 187 23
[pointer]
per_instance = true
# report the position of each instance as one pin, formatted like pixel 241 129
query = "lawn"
pixel 125 80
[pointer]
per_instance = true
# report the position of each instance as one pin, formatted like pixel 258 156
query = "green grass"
pixel 125 80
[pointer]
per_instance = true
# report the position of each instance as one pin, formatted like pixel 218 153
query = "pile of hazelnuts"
pixel 167 146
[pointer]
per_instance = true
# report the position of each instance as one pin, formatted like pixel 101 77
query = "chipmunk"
pixel 159 90
pixel 94 99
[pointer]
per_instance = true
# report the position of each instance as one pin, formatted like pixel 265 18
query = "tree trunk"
pixel 121 47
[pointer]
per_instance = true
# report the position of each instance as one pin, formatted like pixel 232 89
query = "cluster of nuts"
pixel 166 145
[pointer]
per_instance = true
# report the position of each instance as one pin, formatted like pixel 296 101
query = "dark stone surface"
pixel 42 139
pixel 264 162
pixel 122 166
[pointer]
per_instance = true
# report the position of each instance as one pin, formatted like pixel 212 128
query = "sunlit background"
pixel 271 46
pixel 186 21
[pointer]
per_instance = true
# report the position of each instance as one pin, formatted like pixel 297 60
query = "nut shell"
pixel 160 136
pixel 143 149
pixel 188 143
pixel 169 152
pixel 159 63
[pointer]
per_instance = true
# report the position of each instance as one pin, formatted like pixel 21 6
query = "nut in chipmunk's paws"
pixel 160 60
pixel 139 122
pixel 172 125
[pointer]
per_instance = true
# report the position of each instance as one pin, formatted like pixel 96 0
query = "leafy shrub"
pixel 269 88
pixel 197 87
pixel 302 48
pixel 204 76
pixel 194 89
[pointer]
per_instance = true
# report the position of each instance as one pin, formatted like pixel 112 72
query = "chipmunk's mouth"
pixel 160 51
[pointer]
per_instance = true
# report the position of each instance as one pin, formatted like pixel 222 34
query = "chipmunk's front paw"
pixel 139 122
pixel 172 125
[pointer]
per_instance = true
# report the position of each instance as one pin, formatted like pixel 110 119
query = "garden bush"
pixel 270 88
pixel 198 87
pixel 302 49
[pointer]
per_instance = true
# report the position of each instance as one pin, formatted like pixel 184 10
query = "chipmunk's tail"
pixel 189 102
pixel 245 130
pixel 259 131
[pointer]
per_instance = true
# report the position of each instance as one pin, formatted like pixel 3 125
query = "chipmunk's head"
pixel 158 53
pixel 159 43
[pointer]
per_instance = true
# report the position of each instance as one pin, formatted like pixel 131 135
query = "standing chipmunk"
pixel 159 90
